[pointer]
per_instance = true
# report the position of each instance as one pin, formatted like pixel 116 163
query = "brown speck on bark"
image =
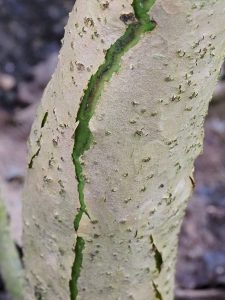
pixel 89 22
pixel 80 67
pixel 128 18
pixel 105 5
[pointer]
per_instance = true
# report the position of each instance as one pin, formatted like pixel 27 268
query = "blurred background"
pixel 30 35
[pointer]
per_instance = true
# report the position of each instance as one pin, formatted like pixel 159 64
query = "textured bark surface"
pixel 147 130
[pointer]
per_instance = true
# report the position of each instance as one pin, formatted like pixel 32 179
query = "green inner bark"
pixel 83 136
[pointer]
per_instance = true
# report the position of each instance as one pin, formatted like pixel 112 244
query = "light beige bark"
pixel 148 130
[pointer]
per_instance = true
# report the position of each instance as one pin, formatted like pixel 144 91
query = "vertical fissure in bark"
pixel 158 295
pixel 43 122
pixel 30 165
pixel 83 136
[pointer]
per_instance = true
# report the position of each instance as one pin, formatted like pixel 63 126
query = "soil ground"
pixel 30 34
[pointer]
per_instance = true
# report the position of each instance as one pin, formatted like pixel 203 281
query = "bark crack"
pixel 30 165
pixel 83 136
pixel 157 255
pixel 158 295
pixel 43 122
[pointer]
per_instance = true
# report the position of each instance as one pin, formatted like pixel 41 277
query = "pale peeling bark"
pixel 147 130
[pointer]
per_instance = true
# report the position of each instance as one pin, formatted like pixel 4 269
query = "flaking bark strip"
pixel 157 255
pixel 83 136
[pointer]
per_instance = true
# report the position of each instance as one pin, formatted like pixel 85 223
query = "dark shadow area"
pixel 30 39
